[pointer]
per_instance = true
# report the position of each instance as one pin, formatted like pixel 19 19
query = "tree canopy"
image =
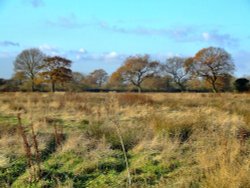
pixel 211 63
pixel 135 70
pixel 29 63
pixel 56 70
pixel 175 67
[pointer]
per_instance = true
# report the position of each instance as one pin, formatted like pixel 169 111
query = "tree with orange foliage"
pixel 211 64
pixel 56 69
pixel 135 70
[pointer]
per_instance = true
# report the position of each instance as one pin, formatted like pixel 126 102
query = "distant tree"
pixel 135 70
pixel 8 85
pixel 77 82
pixel 2 84
pixel 97 78
pixel 19 77
pixel 115 81
pixel 77 77
pixel 211 63
pixel 2 81
pixel 158 82
pixel 56 70
pixel 175 67
pixel 29 62
pixel 242 84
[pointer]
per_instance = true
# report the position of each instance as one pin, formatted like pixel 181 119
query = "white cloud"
pixel 206 36
pixel 83 55
pixel 111 55
pixel 217 38
pixel 171 54
pixel 49 50
pixel 82 50
pixel 46 47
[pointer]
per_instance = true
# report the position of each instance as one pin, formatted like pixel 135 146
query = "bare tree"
pixel 98 77
pixel 175 67
pixel 211 63
pixel 135 70
pixel 29 63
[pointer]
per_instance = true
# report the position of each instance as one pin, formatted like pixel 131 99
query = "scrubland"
pixel 124 140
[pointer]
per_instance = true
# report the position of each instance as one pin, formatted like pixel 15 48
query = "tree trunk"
pixel 53 86
pixel 214 87
pixel 32 85
pixel 139 89
pixel 181 86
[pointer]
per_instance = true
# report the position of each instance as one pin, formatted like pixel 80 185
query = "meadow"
pixel 125 140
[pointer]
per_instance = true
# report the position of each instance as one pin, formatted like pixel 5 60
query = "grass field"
pixel 124 140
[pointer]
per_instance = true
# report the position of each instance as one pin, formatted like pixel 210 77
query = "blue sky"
pixel 102 33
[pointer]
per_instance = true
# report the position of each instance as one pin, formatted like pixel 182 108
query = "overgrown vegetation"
pixel 85 140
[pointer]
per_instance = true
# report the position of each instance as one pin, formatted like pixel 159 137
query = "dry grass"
pixel 172 140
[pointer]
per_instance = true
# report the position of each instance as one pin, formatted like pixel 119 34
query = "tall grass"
pixel 104 140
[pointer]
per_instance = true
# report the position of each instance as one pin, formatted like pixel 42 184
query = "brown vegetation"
pixel 152 140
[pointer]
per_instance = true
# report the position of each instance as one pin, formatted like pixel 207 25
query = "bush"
pixel 241 84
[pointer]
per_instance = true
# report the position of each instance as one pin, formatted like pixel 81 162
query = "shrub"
pixel 241 84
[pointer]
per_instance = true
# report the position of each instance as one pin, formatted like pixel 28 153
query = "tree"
pixel 97 78
pixel 211 63
pixel 2 81
pixel 241 84
pixel 224 82
pixel 158 83
pixel 77 82
pixel 56 70
pixel 115 81
pixel 77 77
pixel 135 70
pixel 175 67
pixel 19 77
pixel 29 62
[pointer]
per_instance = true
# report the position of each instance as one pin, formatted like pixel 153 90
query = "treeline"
pixel 211 69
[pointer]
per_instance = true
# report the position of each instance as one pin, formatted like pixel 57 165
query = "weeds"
pixel 119 140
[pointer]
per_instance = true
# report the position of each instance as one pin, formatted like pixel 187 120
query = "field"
pixel 124 140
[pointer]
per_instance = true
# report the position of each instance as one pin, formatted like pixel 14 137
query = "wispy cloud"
pixel 68 21
pixel 9 43
pixel 35 3
pixel 182 34
pixel 220 39
pixel 83 55
pixel 178 34
pixel 49 50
